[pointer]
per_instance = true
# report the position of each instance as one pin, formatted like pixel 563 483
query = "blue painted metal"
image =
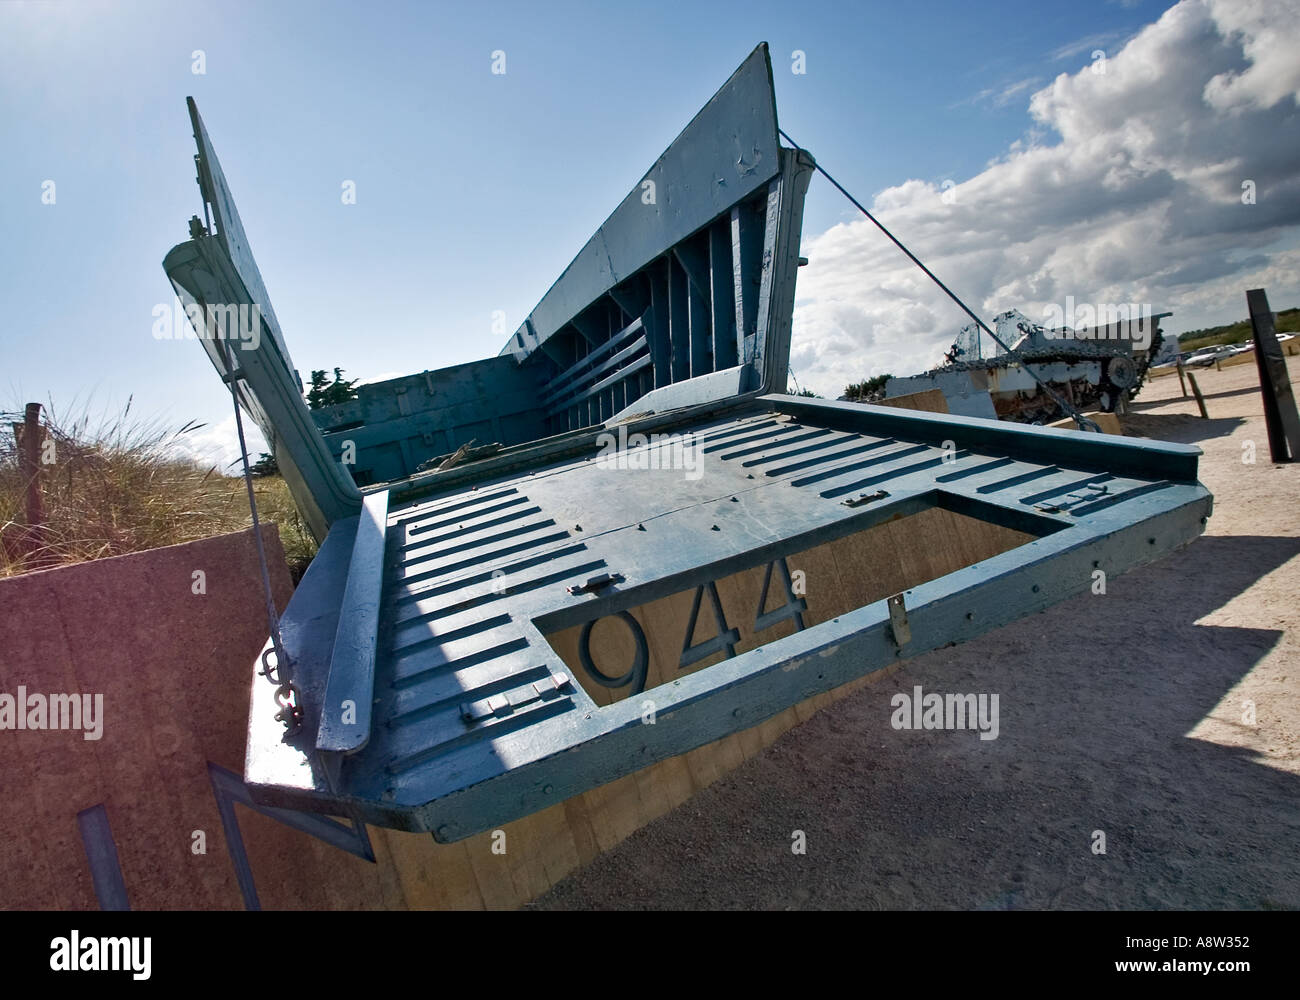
pixel 229 790
pixel 726 638
pixel 674 324
pixel 792 607
pixel 345 713
pixel 101 852
pixel 215 272
pixel 396 425
pixel 727 153
pixel 447 634
pixel 692 275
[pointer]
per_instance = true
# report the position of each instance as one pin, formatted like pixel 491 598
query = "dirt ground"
pixel 1125 713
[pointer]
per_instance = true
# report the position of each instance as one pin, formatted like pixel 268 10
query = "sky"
pixel 1111 152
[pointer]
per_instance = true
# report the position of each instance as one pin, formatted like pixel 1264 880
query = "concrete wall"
pixel 174 667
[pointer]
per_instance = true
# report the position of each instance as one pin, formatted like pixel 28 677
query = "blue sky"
pixel 474 190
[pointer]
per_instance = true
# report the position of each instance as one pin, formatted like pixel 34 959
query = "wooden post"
pixel 1200 400
pixel 1280 415
pixel 1182 381
pixel 29 465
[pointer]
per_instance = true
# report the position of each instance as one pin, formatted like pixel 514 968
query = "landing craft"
pixel 492 609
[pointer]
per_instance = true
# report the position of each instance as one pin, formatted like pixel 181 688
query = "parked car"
pixel 1206 356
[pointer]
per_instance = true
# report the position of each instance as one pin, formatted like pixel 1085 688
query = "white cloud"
pixel 1001 95
pixel 1087 45
pixel 218 444
pixel 1127 189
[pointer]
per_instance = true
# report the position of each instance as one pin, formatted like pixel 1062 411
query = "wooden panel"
pixel 1108 422
pixel 930 400
pixel 837 576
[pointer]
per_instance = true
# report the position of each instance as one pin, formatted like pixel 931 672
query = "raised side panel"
pixel 203 276
pixel 727 152
pixel 349 692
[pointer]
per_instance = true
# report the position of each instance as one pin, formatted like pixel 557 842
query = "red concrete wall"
pixel 173 667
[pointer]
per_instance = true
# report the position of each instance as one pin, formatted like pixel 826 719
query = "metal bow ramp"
pixel 456 713
pixel 647 549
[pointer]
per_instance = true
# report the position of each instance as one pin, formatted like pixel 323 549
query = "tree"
pixel 868 391
pixel 265 466
pixel 323 392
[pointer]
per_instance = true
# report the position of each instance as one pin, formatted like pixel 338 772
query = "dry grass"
pixel 116 485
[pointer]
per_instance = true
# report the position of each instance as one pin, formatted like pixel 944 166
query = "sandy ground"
pixel 1124 713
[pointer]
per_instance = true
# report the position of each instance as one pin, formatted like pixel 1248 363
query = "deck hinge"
pixel 596 583
pixel 898 623
pixel 865 498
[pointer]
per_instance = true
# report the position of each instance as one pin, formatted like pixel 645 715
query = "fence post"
pixel 1280 415
pixel 29 464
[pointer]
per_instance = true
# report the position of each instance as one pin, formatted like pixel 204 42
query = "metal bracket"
pixel 596 583
pixel 865 498
pixel 898 623
pixel 1085 494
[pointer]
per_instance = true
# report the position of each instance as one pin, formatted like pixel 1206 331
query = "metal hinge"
pixel 865 498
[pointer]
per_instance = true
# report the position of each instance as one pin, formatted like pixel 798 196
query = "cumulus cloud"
pixel 1129 188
